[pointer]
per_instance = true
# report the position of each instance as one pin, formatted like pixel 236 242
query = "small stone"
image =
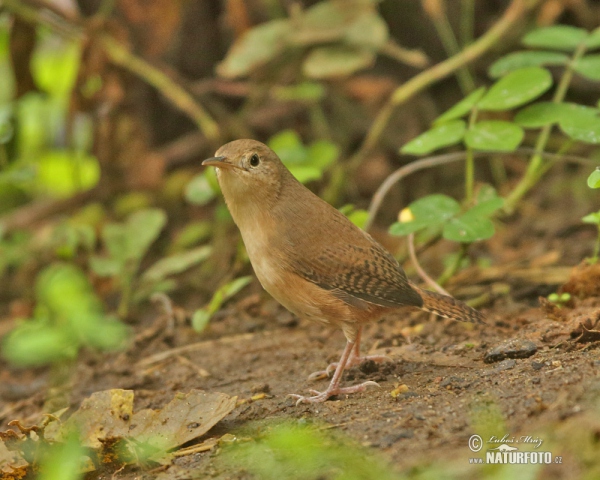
pixel 503 365
pixel 260 388
pixel 537 365
pixel 515 348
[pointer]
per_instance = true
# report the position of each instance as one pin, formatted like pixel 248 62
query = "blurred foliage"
pixel 126 245
pixel 68 316
pixel 42 152
pixel 305 453
pixel 330 39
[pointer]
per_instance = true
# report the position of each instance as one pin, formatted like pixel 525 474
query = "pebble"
pixel 515 348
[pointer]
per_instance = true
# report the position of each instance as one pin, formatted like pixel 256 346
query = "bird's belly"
pixel 302 298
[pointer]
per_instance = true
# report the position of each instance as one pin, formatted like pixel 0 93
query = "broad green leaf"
pixel 288 146
pixel 461 108
pixel 428 211
pixel 33 344
pixel 143 228
pixel 336 61
pixel 539 114
pixel 546 113
pixel 556 37
pixel 468 228
pixel 176 263
pixel 256 47
pixel 593 40
pixel 516 88
pixel 589 67
pixel 582 127
pixel 6 125
pixel 62 173
pixel 323 153
pixel 487 207
pixel 367 31
pixel 199 191
pixel 593 218
pixel 593 180
pixel 527 58
pixel 440 136
pixel 494 135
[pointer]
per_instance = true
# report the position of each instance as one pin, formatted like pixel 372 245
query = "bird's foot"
pixel 352 361
pixel 319 397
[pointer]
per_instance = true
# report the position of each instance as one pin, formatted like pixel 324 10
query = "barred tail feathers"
pixel 449 307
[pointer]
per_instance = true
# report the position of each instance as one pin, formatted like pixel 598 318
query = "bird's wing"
pixel 370 274
pixel 333 253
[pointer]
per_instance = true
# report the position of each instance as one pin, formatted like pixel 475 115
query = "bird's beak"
pixel 220 162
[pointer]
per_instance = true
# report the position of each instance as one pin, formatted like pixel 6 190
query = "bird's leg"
pixel 354 359
pixel 334 386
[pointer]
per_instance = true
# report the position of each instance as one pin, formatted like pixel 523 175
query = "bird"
pixel 313 260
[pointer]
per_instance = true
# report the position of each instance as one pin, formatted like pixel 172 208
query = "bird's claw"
pixel 319 397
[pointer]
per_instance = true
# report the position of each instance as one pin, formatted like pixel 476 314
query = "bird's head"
pixel 248 171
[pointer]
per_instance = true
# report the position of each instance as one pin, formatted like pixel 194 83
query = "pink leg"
pixel 354 359
pixel 334 386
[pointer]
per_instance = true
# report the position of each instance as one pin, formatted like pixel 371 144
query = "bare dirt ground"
pixel 538 366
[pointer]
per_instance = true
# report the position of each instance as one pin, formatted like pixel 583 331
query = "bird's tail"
pixel 449 307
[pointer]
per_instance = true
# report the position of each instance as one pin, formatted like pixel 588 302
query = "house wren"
pixel 312 259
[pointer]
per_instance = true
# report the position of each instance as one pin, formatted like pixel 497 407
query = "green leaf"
pixel 494 135
pixel 255 48
pixel 593 40
pixel 367 31
pixel 62 173
pixel 288 147
pixel 200 319
pixel 556 37
pixel 336 61
pixel 589 67
pixel 428 211
pixel 233 287
pixel 487 207
pixel 176 263
pixel 547 113
pixel 199 191
pixel 55 64
pixel 593 180
pixel 468 228
pixel 527 58
pixel 63 460
pixel 593 218
pixel 143 228
pixel 440 136
pixel 306 173
pixel 323 153
pixel 516 88
pixel 539 114
pixel 461 108
pixel 33 344
pixel 582 127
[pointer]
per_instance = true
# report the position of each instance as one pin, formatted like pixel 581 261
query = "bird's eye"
pixel 254 160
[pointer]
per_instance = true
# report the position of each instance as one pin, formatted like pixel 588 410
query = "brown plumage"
pixel 311 258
